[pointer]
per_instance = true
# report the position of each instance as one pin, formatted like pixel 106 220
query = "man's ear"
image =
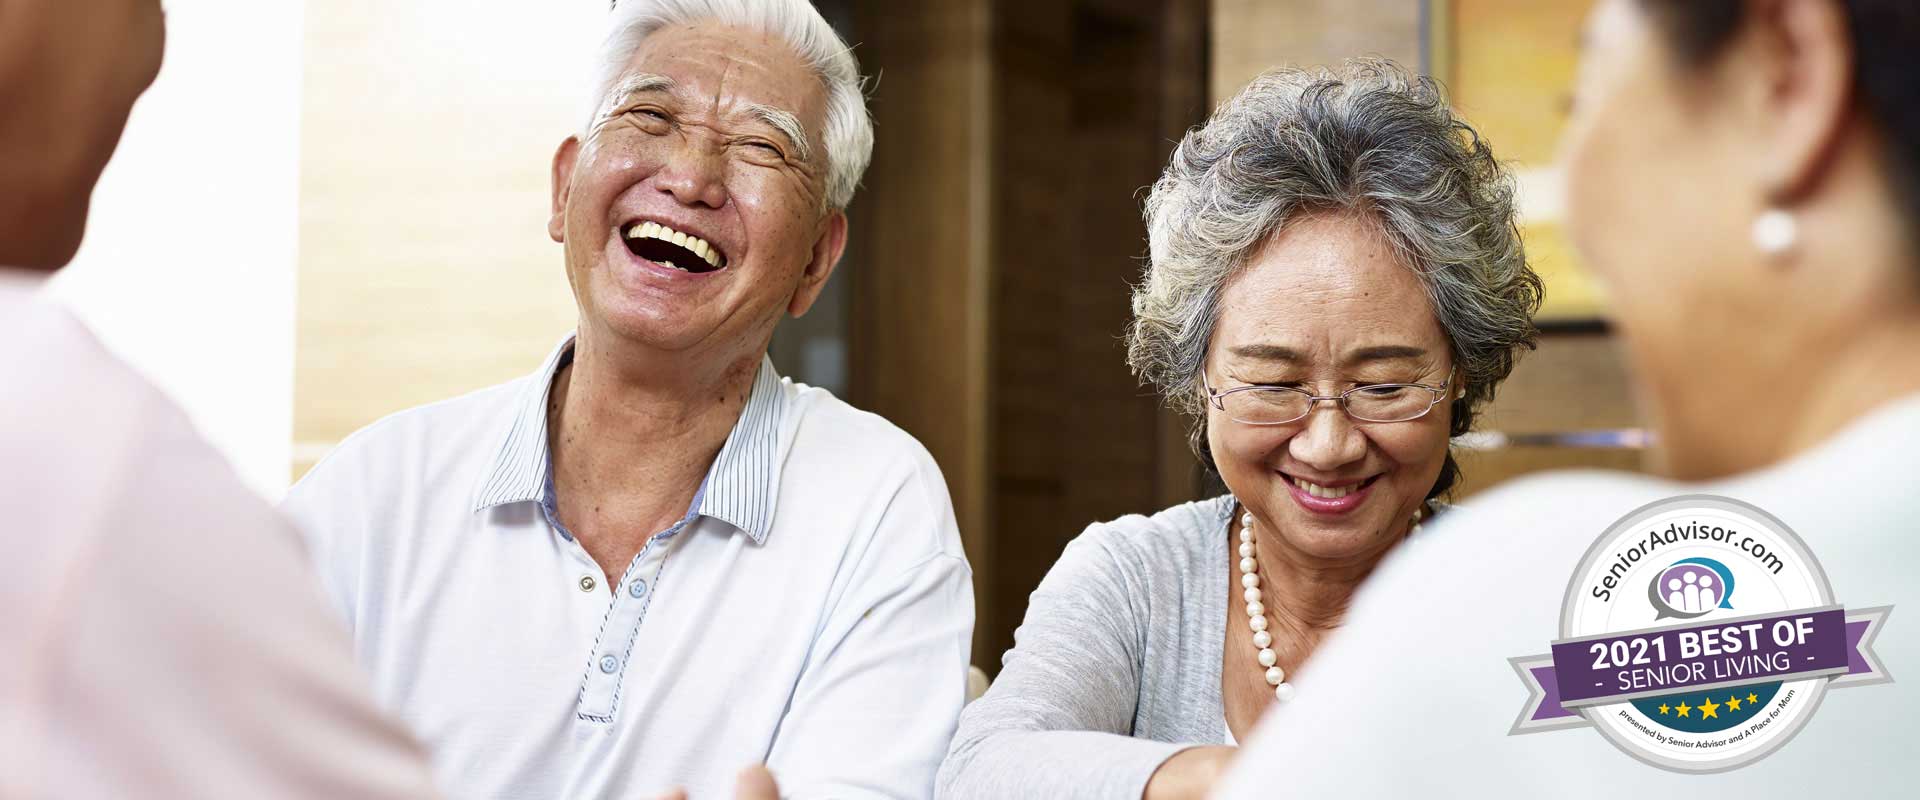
pixel 563 163
pixel 1808 71
pixel 826 255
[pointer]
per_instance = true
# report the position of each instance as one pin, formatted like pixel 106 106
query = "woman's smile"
pixel 1332 498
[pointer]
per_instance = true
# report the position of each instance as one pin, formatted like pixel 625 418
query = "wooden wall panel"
pixel 1513 64
pixel 1076 438
pixel 425 268
pixel 921 229
pixel 1252 36
pixel 1574 382
pixel 1002 229
pixel 1511 68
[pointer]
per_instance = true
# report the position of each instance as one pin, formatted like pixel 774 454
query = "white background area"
pixel 188 266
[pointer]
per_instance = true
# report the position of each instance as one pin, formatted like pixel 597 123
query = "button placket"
pixel 600 690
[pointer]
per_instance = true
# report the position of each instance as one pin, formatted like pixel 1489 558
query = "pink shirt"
pixel 161 634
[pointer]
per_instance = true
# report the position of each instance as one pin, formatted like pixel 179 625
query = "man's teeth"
pixel 1329 493
pixel 699 246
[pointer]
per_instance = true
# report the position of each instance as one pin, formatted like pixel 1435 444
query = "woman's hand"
pixel 1190 773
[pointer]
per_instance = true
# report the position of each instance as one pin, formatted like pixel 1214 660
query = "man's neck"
pixel 631 442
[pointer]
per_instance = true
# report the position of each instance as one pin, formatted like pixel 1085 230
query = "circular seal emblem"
pixel 1698 634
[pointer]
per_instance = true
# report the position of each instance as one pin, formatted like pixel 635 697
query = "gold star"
pixel 1752 698
pixel 1683 708
pixel 1733 704
pixel 1663 709
pixel 1709 709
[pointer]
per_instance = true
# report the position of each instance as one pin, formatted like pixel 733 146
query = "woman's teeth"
pixel 1329 493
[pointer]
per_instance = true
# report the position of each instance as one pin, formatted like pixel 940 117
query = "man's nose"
pixel 1327 439
pixel 695 174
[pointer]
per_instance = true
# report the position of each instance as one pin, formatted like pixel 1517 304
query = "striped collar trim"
pixel 740 487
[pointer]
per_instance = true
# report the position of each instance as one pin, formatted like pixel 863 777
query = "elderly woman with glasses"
pixel 1336 286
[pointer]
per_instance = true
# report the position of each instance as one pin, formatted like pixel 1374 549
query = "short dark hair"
pixel 1886 52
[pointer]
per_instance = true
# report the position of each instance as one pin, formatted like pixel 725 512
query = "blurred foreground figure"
pixel 160 632
pixel 1745 175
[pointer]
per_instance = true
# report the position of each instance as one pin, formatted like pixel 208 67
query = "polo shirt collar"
pixel 740 488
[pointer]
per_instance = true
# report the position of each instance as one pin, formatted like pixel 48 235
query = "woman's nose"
pixel 1327 439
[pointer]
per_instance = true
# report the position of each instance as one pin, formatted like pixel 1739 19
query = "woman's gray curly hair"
pixel 1364 137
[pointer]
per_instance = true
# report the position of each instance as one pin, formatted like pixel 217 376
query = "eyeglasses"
pixel 1279 405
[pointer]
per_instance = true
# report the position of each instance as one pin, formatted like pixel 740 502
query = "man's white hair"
pixel 849 130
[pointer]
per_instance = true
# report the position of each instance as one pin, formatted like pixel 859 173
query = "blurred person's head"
pixel 1742 176
pixel 70 71
pixel 706 198
pixel 1331 231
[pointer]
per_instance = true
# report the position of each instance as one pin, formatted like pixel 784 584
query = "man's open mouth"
pixel 663 245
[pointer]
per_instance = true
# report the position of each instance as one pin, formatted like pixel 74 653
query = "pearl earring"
pixel 1775 231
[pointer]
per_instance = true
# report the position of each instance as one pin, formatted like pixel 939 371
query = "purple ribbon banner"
pixel 1627 665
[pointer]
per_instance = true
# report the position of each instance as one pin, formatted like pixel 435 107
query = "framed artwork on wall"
pixel 1509 66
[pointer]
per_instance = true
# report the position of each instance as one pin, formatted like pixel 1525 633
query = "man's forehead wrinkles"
pixel 711 94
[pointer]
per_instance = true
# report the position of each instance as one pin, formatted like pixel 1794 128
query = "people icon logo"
pixel 1692 587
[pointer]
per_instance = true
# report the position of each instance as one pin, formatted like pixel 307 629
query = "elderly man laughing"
pixel 653 561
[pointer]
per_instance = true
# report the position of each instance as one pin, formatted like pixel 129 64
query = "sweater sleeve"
pixel 1057 722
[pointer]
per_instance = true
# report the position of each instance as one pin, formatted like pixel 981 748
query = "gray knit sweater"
pixel 1115 669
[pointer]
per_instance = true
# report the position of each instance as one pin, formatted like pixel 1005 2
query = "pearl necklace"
pixel 1257 611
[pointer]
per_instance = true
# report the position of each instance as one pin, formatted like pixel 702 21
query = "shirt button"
pixel 587 583
pixel 638 588
pixel 608 664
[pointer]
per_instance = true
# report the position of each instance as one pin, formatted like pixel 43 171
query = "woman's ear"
pixel 1801 53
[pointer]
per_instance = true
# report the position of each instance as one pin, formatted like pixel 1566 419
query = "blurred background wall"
pixel 427 140
pixel 379 188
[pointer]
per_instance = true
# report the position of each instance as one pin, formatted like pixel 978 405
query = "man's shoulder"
pixel 435 432
pixel 409 459
pixel 858 443
pixel 848 464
